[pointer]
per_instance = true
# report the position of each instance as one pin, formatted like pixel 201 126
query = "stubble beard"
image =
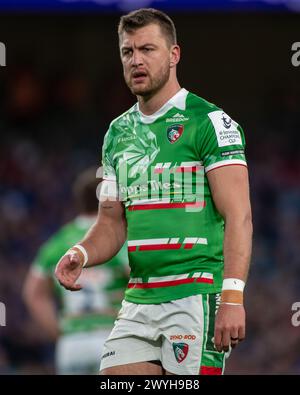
pixel 153 85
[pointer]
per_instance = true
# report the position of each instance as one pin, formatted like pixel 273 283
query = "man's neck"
pixel 149 105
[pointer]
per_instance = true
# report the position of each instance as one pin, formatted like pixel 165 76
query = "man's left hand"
pixel 229 326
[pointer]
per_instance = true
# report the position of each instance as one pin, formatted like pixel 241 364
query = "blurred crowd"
pixel 47 139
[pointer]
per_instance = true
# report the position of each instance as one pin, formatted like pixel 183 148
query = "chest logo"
pixel 174 132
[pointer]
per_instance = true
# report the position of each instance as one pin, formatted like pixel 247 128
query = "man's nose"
pixel 137 58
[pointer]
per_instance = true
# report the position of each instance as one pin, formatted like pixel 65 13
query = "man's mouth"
pixel 139 76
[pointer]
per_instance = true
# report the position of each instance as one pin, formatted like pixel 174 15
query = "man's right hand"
pixel 68 270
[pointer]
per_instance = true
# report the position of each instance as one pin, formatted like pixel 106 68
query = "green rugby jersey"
pixel 157 166
pixel 103 285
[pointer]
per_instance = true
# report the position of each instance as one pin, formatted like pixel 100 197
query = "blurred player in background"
pixel 79 322
pixel 189 252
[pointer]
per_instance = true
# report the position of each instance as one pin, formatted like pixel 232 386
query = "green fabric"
pixel 148 159
pixel 210 356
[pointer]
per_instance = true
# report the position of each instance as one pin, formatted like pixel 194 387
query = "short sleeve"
pixel 109 173
pixel 109 187
pixel 222 141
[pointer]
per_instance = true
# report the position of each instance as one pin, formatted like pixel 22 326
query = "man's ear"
pixel 174 55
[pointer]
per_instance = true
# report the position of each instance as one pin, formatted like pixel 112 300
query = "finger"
pixel 74 258
pixel 225 339
pixel 218 339
pixel 70 286
pixel 76 287
pixel 65 274
pixel 64 270
pixel 242 333
pixel 60 267
pixel 234 343
pixel 62 277
pixel 234 337
pixel 67 282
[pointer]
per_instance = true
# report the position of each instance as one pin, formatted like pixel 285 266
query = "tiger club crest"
pixel 174 132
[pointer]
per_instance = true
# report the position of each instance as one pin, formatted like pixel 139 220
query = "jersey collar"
pixel 178 101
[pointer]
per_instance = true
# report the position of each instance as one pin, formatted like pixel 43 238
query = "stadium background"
pixel 61 87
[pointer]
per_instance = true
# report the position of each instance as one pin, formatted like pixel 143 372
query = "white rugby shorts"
pixel 178 333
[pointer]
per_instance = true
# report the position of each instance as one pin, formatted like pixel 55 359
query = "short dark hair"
pixel 84 191
pixel 146 16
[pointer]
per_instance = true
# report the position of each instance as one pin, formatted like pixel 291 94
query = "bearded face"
pixel 145 56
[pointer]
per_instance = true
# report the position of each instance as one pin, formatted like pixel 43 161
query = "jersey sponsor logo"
pixel 182 337
pixel 226 129
pixel 180 351
pixel 174 132
pixel 124 139
pixel 177 118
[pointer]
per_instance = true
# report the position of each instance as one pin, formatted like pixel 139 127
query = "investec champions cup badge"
pixel 174 132
pixel 181 351
pixel 226 121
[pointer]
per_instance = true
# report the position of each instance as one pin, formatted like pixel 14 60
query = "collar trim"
pixel 178 101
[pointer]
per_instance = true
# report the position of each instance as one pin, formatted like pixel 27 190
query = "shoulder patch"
pixel 225 128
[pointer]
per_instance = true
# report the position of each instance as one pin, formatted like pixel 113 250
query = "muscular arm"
pixel 230 190
pixel 102 242
pixel 107 236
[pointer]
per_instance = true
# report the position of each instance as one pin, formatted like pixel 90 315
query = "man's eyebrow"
pixel 148 45
pixel 141 46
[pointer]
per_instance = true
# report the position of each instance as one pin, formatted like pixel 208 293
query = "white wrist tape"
pixel 84 253
pixel 233 284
